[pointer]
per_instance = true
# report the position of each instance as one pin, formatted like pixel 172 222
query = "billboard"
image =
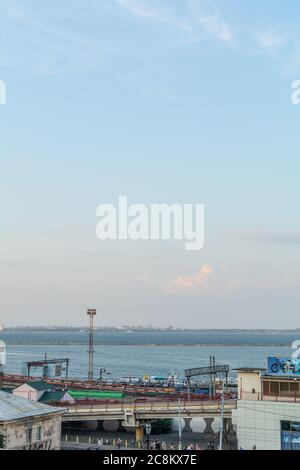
pixel 283 366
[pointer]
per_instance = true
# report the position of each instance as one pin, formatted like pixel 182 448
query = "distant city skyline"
pixel 163 101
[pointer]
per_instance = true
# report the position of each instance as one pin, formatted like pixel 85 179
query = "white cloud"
pixel 144 279
pixel 217 280
pixel 209 20
pixel 188 282
pixel 216 27
pixel 270 41
pixel 191 25
pixel 137 7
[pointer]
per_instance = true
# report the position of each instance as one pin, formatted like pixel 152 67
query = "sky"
pixel 164 101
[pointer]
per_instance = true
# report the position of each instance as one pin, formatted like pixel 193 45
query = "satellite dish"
pixel 2 353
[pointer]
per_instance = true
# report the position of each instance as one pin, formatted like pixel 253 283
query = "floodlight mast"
pixel 91 313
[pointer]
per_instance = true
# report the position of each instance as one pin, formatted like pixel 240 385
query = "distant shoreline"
pixel 177 339
pixel 154 330
pixel 161 345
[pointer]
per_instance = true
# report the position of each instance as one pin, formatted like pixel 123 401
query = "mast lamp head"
pixel 91 311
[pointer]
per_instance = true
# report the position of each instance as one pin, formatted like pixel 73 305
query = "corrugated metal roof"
pixel 13 408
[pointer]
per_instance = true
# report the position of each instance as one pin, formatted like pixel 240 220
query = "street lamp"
pixel 101 372
pixel 148 428
pixel 179 428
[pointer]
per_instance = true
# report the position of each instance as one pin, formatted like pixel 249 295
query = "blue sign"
pixel 283 366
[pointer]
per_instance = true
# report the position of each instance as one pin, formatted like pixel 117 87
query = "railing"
pixel 73 440
pixel 169 407
pixel 281 397
pixel 93 440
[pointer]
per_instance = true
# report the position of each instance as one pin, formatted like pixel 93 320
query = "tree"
pixel 2 441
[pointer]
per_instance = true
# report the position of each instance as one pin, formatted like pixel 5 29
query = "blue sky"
pixel 163 101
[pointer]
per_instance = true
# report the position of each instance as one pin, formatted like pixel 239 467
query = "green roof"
pixel 82 394
pixel 48 397
pixel 39 385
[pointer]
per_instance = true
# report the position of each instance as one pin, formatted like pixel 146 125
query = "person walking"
pixel 119 444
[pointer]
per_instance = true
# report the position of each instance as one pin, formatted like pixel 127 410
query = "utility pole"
pixel 1 376
pixel 214 375
pixel 210 377
pixel 222 423
pixel 188 389
pixel 101 372
pixel 2 361
pixel 179 425
pixel 91 313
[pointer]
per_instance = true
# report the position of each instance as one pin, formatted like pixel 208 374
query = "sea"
pixel 140 353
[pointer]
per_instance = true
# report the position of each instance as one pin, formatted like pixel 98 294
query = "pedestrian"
pixel 119 443
pixel 157 444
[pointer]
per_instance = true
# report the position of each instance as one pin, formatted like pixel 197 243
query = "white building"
pixel 268 411
pixel 28 425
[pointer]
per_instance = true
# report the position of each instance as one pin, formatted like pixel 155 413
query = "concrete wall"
pixel 15 432
pixel 68 398
pixel 25 391
pixel 258 423
pixel 249 383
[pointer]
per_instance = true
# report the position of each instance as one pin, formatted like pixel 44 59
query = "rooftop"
pixel 250 369
pixel 13 408
pixel 39 385
pixel 56 396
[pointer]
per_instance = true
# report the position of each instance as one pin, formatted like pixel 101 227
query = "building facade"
pixel 267 416
pixel 28 425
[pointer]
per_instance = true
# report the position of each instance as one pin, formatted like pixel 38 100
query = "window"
pixel 28 435
pixel 39 433
pixel 285 426
pixel 294 386
pixel 295 427
pixel 284 388
pixel 266 388
pixel 290 426
pixel 274 386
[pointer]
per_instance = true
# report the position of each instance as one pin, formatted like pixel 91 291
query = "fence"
pixel 108 443
pixel 281 397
